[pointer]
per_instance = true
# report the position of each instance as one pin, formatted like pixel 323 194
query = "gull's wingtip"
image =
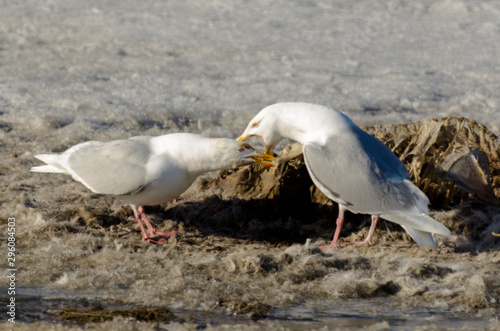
pixel 52 160
pixel 422 238
pixel 46 168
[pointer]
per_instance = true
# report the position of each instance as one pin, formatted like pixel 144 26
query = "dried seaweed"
pixel 99 313
pixel 448 159
pixel 256 310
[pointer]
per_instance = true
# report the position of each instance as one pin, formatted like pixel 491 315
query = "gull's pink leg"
pixel 375 219
pixel 340 223
pixel 145 237
pixel 151 230
pixel 368 239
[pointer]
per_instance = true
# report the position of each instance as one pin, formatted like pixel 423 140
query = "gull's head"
pixel 265 126
pixel 241 153
pixel 299 121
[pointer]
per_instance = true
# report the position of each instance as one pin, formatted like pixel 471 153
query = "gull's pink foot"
pixel 159 241
pixel 364 242
pixel 340 222
pixel 332 245
pixel 368 239
pixel 162 234
pixel 140 214
pixel 169 234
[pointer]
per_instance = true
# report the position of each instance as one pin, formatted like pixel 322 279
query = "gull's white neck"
pixel 197 154
pixel 313 123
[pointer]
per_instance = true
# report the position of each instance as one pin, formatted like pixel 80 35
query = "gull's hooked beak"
pixel 242 137
pixel 265 159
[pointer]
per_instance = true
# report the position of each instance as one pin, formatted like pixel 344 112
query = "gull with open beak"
pixel 350 167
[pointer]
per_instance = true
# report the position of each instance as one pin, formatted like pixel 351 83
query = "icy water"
pixel 326 315
pixel 73 71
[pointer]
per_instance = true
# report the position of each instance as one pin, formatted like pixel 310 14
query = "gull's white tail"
pixel 419 227
pixel 52 161
pixel 422 238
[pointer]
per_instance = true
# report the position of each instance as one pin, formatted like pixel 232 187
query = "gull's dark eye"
pixel 255 125
pixel 245 147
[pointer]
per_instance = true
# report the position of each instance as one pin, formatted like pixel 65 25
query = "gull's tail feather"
pixel 422 238
pixel 52 161
pixel 46 168
pixel 419 226
pixel 421 222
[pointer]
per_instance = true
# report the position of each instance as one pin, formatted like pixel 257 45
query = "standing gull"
pixel 350 167
pixel 149 170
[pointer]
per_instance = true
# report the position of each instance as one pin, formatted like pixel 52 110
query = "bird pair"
pixel 348 165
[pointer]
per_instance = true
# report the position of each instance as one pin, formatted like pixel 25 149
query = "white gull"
pixel 350 167
pixel 149 170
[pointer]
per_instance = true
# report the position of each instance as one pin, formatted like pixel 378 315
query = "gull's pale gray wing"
pixel 117 167
pixel 362 175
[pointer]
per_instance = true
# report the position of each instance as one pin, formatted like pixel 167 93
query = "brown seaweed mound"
pixel 448 159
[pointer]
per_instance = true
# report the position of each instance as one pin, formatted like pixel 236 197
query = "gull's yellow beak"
pixel 264 159
pixel 242 138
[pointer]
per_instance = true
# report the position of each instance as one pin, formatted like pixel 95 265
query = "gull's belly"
pixel 163 187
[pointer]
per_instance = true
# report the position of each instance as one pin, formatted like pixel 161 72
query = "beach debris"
pixel 255 310
pixel 98 313
pixel 449 158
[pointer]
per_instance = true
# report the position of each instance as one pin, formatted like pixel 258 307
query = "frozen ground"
pixel 125 66
pixel 72 71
